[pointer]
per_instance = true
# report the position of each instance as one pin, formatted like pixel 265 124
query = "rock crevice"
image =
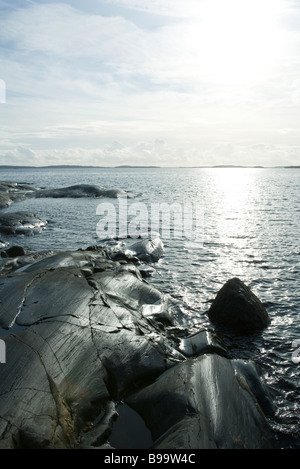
pixel 94 337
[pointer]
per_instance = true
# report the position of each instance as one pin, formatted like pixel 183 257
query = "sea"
pixel 236 222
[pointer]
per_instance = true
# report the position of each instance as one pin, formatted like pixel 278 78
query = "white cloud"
pixel 63 31
pixel 158 153
pixel 81 80
pixel 159 7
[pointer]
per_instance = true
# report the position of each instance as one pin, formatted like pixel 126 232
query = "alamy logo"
pixel 2 351
pixel 2 92
pixel 171 221
pixel 296 352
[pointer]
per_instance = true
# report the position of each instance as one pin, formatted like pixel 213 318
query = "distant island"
pixel 66 166
pixel 130 166
pixel 235 166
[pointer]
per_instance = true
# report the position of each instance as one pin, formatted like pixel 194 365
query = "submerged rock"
pixel 21 223
pixel 237 308
pixel 81 190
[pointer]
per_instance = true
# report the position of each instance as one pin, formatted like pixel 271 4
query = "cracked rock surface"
pixel 84 333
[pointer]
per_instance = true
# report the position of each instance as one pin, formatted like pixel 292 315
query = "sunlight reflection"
pixel 234 186
pixel 235 193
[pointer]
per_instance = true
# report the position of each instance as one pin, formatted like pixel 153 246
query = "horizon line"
pixel 145 166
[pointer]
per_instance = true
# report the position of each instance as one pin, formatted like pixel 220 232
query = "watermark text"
pixel 171 221
pixel 2 351
pixel 296 352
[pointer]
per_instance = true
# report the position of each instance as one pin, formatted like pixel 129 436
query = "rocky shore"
pixel 86 333
pixel 87 338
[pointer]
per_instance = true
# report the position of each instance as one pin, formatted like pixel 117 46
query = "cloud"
pixel 20 156
pixel 60 30
pixel 65 46
pixel 82 80
pixel 158 153
pixel 160 7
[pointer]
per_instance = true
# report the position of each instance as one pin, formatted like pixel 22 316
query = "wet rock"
pixel 26 223
pixel 8 186
pixel 78 191
pixel 87 342
pixel 93 333
pixel 146 271
pixel 13 191
pixel 5 201
pixel 100 431
pixel 19 264
pixel 3 244
pixel 238 309
pixel 147 250
pixel 201 343
pixel 203 403
pixel 251 377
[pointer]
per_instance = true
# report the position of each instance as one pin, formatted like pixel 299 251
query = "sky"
pixel 150 82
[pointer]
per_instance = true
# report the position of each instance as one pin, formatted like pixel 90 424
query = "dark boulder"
pixel 238 309
pixel 15 251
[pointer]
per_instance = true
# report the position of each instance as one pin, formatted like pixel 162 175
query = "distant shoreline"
pixel 145 167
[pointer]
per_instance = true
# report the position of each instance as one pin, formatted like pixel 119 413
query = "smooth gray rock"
pixel 12 191
pixel 18 264
pixel 238 309
pixel 8 186
pixel 201 343
pixel 26 223
pixel 84 333
pixel 144 250
pixel 89 340
pixel 3 244
pixel 147 250
pixel 203 403
pixel 5 201
pixel 146 271
pixel 81 190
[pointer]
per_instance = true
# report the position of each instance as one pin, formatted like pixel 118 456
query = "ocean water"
pixel 249 228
